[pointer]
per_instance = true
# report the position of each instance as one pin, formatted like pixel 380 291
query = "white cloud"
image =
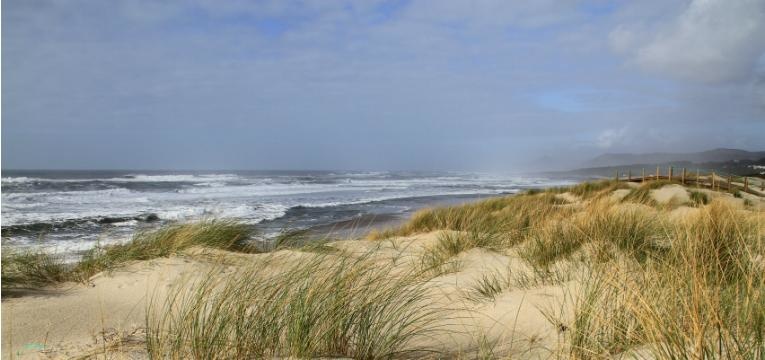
pixel 711 41
pixel 611 137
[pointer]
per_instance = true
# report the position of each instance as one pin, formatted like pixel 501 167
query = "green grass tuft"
pixel 24 270
pixel 166 241
pixel 488 287
pixel 698 198
pixel 642 194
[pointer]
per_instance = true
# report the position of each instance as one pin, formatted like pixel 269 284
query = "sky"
pixel 375 85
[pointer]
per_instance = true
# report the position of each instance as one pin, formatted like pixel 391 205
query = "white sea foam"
pixel 261 189
pixel 21 208
pixel 249 198
pixel 131 178
pixel 19 179
pixel 175 178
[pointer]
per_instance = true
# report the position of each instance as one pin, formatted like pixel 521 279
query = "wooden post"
pixel 697 178
pixel 657 173
pixel 643 179
pixel 713 180
pixel 669 174
pixel 746 184
pixel 629 175
pixel 616 175
pixel 729 181
pixel 682 179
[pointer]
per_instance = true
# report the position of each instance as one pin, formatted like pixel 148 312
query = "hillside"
pixel 715 155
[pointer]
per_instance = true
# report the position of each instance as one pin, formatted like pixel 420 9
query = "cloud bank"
pixel 713 41
pixel 419 84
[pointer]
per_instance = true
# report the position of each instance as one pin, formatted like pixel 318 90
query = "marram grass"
pixel 26 269
pixel 328 306
pixel 39 268
pixel 656 286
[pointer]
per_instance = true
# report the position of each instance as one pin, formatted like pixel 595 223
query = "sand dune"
pixel 527 317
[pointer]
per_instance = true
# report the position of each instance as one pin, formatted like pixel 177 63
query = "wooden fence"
pixel 710 179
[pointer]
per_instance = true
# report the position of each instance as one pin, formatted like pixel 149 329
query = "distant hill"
pixel 715 155
pixel 733 167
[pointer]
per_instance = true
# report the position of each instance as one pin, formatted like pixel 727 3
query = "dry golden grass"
pixel 685 288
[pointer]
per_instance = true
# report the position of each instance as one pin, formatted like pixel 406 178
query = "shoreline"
pixel 492 294
pixel 352 226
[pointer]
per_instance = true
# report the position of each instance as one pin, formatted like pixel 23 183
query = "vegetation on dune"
pixel 500 221
pixel 32 269
pixel 35 269
pixel 647 283
pixel 690 287
pixel 701 298
pixel 489 286
pixel 590 188
pixel 323 307
pixel 604 226
pixel 698 198
pixel 642 193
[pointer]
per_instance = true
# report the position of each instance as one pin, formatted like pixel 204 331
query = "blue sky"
pixel 403 84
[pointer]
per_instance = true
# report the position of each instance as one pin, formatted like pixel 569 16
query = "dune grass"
pixel 702 298
pixel 36 269
pixel 505 219
pixel 325 306
pixel 451 243
pixel 690 287
pixel 488 286
pixel 168 240
pixel 698 198
pixel 26 269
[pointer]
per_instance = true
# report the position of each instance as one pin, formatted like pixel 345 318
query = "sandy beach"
pixel 108 314
pixel 528 316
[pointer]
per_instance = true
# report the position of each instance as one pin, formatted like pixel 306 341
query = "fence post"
pixel 616 175
pixel 713 180
pixel 642 180
pixel 657 172
pixel 629 175
pixel 669 174
pixel 729 182
pixel 697 178
pixel 746 184
pixel 682 179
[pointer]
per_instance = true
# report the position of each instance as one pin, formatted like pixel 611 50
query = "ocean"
pixel 71 211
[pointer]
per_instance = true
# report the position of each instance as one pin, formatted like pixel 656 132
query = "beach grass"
pixel 39 268
pixel 642 193
pixel 698 198
pixel 701 298
pixel 166 241
pixel 325 306
pixel 32 269
pixel 488 286
pixel 682 288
